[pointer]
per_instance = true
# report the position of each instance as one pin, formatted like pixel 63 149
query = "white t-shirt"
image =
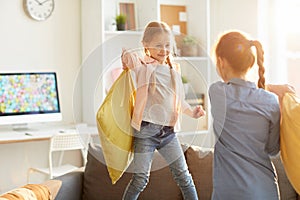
pixel 160 103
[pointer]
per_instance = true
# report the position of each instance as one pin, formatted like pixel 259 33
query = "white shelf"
pixel 128 32
pixel 123 36
pixel 198 58
pixel 188 133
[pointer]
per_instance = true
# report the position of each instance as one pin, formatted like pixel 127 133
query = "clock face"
pixel 39 9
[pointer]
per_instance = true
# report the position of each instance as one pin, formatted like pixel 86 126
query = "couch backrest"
pixel 97 182
pixel 200 166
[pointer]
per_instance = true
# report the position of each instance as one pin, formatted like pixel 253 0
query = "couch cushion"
pixel 72 184
pixel 46 190
pixel 97 183
pixel 53 186
pixel 200 166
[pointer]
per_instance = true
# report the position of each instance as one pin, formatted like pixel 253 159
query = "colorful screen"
pixel 28 93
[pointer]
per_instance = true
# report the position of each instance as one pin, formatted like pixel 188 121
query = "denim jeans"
pixel 146 141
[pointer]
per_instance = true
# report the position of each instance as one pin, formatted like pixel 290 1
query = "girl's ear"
pixel 145 44
pixel 220 62
pixel 221 67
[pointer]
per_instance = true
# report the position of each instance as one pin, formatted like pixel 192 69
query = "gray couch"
pixel 93 182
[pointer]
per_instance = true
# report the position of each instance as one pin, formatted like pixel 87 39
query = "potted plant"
pixel 185 82
pixel 184 79
pixel 121 21
pixel 189 46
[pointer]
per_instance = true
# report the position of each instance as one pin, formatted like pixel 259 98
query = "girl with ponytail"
pixel 246 120
pixel 159 99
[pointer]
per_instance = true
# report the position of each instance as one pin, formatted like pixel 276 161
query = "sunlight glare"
pixel 290 15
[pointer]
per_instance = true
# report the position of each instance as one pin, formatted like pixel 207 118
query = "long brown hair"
pixel 236 49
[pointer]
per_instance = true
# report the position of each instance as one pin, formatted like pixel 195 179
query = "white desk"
pixel 40 132
pixel 19 151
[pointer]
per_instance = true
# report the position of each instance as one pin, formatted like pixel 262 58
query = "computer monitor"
pixel 28 97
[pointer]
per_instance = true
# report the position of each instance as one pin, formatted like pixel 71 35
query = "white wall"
pixel 28 45
pixel 51 45
pixel 234 14
pixel 92 12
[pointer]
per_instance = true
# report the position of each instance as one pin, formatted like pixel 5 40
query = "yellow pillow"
pixel 290 139
pixel 45 191
pixel 113 123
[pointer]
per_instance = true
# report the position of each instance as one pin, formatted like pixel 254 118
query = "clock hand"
pixel 38 2
pixel 44 2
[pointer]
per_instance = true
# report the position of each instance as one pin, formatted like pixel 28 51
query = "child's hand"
pixel 130 59
pixel 280 90
pixel 124 58
pixel 198 112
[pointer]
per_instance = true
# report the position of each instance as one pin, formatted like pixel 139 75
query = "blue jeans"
pixel 146 141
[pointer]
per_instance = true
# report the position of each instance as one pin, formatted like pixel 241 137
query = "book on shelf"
pixel 195 99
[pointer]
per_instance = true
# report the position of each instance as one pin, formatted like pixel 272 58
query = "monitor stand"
pixel 20 127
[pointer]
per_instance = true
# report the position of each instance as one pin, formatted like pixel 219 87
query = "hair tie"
pixel 251 43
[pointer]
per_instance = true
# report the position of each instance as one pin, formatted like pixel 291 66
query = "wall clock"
pixel 39 9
